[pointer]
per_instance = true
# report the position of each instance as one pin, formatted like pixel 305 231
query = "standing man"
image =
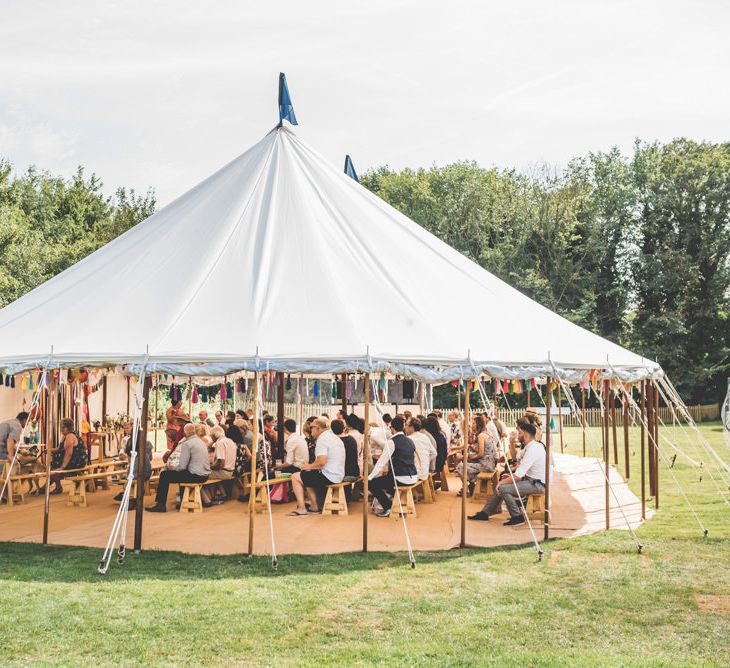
pixel 10 431
pixel 328 468
pixel 529 478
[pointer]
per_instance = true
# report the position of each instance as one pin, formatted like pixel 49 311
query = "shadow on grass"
pixel 31 562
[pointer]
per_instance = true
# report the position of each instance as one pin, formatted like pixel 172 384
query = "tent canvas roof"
pixel 282 261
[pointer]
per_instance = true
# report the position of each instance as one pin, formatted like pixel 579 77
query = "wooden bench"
pixel 485 485
pixel 263 487
pixel 14 490
pixel 535 504
pixel 403 503
pixel 77 495
pixel 424 490
pixel 196 503
pixel 335 501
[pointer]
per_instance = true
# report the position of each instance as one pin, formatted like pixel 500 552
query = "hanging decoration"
pixel 195 394
pixel 288 382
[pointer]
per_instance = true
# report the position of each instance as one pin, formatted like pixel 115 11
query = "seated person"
pixel 224 462
pixel 432 426
pixel 193 466
pixel 328 468
pixel 399 457
pixel 352 468
pixel 174 440
pixel 379 435
pixel 204 418
pixel 295 446
pixel 482 456
pixel 529 478
pixel 125 455
pixel 68 455
pixel 356 429
pixel 425 448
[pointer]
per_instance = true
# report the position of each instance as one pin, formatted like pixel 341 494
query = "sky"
pixel 161 94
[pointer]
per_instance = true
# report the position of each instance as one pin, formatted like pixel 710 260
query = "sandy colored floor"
pixel 577 504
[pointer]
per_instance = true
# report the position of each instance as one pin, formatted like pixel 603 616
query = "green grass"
pixel 591 601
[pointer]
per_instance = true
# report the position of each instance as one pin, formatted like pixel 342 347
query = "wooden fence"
pixel 593 415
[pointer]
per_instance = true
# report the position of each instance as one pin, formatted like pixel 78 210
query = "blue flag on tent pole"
pixel 286 108
pixel 350 168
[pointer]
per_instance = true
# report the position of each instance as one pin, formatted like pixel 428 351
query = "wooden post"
pixel 656 447
pixel 560 418
pixel 548 401
pixel 103 402
pixel 50 444
pixel 301 403
pixel 627 467
pixel 127 396
pixel 190 398
pixel 583 417
pixel 366 465
pixel 141 451
pixel 157 407
pixel 343 398
pixel 465 450
pixel 650 434
pixel 529 392
pixel 280 418
pixel 612 395
pixel 458 397
pixel 496 406
pixel 643 450
pixel 254 448
pixel 420 398
pixel 606 416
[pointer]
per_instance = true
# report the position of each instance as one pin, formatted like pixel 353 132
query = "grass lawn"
pixel 591 601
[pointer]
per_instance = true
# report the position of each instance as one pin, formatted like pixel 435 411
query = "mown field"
pixel 591 601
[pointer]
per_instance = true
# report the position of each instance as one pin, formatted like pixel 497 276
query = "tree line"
pixel 633 247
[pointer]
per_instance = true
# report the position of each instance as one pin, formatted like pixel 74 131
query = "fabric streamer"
pixel 195 394
pixel 316 388
pixel 288 382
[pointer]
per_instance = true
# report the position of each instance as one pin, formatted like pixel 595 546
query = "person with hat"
pixel 528 478
pixel 173 441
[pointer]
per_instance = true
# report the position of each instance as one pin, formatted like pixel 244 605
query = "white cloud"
pixel 163 93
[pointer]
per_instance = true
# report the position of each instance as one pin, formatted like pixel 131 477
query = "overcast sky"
pixel 161 94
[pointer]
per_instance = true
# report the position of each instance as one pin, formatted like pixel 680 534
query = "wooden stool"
pixel 444 478
pixel 196 503
pixel 484 489
pixel 335 502
pixel 403 502
pixel 425 491
pixel 535 503
pixel 77 495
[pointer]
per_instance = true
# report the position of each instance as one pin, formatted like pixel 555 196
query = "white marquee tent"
pixel 280 262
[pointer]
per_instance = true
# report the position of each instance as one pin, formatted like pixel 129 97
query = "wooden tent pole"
pixel 643 450
pixel 190 398
pixel 104 407
pixel 464 486
pixel 583 417
pixel 50 444
pixel 607 486
pixel 127 396
pixel 343 398
pixel 141 451
pixel 650 434
pixel 157 407
pixel 254 448
pixel 280 417
pixel 548 402
pixel 458 397
pixel 420 398
pixel 656 447
pixel 627 466
pixel 301 403
pixel 613 426
pixel 366 465
pixel 560 418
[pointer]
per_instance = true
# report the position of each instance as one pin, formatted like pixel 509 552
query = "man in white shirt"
pixel 529 478
pixel 328 468
pixel 295 446
pixel 379 435
pixel 224 461
pixel 425 448
pixel 399 455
